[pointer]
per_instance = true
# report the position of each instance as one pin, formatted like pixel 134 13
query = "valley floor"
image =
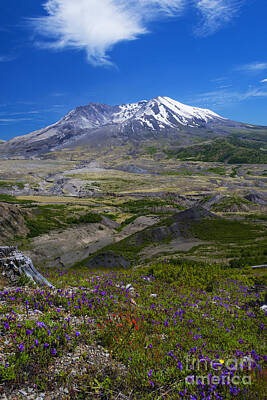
pixel 44 203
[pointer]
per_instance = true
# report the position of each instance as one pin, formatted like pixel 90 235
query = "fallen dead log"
pixel 14 264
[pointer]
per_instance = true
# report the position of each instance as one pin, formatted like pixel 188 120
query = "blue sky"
pixel 59 54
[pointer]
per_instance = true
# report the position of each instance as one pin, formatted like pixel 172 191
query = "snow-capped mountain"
pixel 163 112
pixel 93 123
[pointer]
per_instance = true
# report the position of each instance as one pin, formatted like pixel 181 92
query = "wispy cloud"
pixel 7 58
pixel 226 97
pixel 11 117
pixel 253 67
pixel 215 14
pixel 97 25
pixel 15 119
pixel 19 113
pixel 58 94
pixel 264 81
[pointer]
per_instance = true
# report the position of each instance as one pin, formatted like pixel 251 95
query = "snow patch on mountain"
pixel 165 112
pixel 168 113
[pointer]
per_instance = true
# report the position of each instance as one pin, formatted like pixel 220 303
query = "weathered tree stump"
pixel 14 264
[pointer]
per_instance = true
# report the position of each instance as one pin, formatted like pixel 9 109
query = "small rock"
pixel 133 302
pixel 23 392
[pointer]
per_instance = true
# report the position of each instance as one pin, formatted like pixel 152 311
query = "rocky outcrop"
pixel 12 222
pixel 176 226
pixel 14 264
pixel 193 214
pixel 108 260
pixel 257 197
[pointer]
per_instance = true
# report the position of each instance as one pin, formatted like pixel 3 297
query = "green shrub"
pixel 10 184
pixel 7 198
pixel 88 218
pixel 217 170
pixel 127 222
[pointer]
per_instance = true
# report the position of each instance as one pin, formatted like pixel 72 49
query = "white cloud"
pixel 216 13
pixel 264 81
pixel 253 67
pixel 97 25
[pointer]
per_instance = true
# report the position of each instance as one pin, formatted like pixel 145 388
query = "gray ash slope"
pixel 96 124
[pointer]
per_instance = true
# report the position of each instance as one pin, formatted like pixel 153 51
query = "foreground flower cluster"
pixel 166 338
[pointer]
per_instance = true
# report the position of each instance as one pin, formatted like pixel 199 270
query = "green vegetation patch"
pixel 262 217
pixel 223 230
pixel 47 218
pixel 251 255
pixel 151 150
pixel 10 184
pixel 217 171
pixel 181 172
pixel 7 198
pixel 135 206
pixel 231 150
pixel 227 203
pixel 122 248
pixel 234 172
pixel 127 221
pixel 88 218
pixel 191 274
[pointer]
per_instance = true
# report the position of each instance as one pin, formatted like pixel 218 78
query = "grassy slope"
pixel 42 219
pixel 232 151
pixel 232 237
